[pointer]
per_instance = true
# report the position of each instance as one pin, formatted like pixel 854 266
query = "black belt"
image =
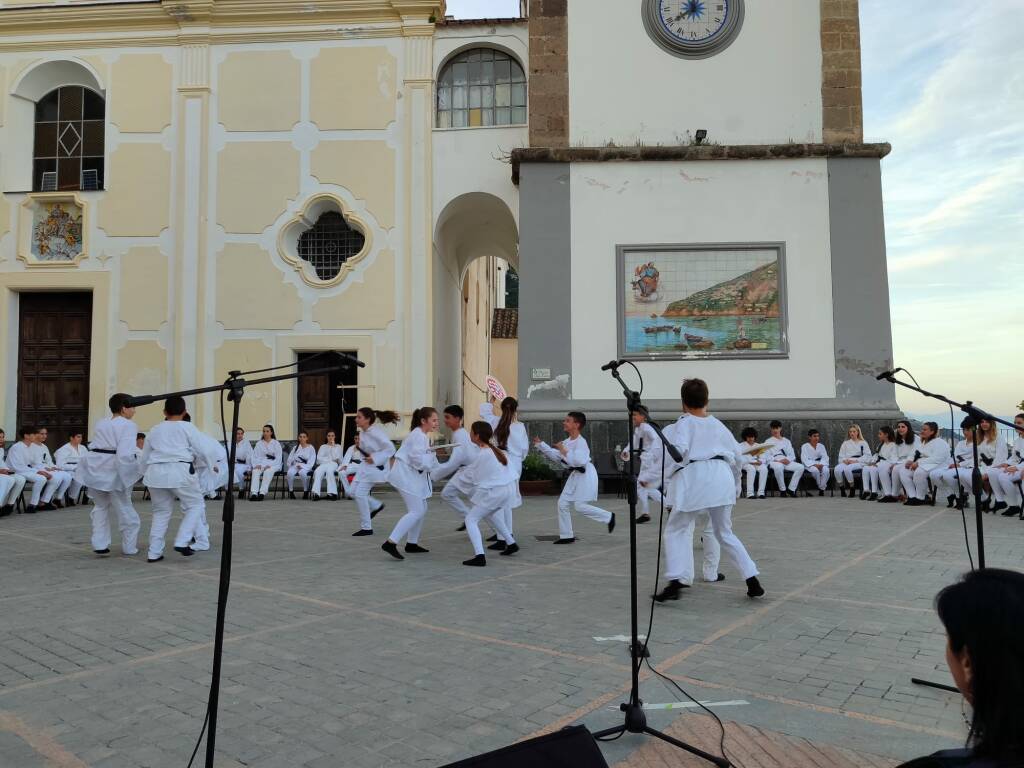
pixel 712 458
pixel 108 451
pixel 987 461
pixel 577 469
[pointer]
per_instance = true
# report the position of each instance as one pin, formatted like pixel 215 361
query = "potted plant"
pixel 538 477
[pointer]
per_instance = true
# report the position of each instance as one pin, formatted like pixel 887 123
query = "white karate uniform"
pixel 109 471
pixel 45 461
pixel 992 454
pixel 754 468
pixel 328 461
pixel 904 452
pixel 1005 479
pixel 706 483
pixel 66 459
pixel 243 455
pixel 300 462
pixel 934 456
pixel 877 472
pixel 810 455
pixel 581 486
pixel 212 477
pixel 518 446
pixel 264 463
pixel 947 475
pixel 857 452
pixel 11 483
pixel 170 454
pixel 783 449
pixel 410 476
pixel 375 451
pixel 650 450
pixel 26 461
pixel 494 488
pixel 459 469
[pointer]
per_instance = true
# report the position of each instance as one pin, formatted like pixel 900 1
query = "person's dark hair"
pixel 420 415
pixel 579 417
pixel 385 417
pixel 934 428
pixel 484 433
pixel 140 435
pixel 187 416
pixel 889 432
pixel 117 401
pixel 455 410
pixel 775 424
pixel 748 432
pixel 174 406
pixel 26 430
pixel 509 408
pixel 694 393
pixel 984 613
pixel 813 432
pixel 909 440
pixel 273 434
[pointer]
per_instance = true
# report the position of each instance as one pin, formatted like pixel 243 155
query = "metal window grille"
pixel 329 243
pixel 68 147
pixel 479 88
pixel 49 183
pixel 90 179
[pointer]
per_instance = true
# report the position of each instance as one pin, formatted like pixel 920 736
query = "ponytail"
pixel 509 406
pixel 385 417
pixel 484 433
pixel 420 414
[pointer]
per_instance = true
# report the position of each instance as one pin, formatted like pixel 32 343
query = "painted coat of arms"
pixel 57 232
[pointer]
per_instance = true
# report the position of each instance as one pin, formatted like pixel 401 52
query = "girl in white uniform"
pixel 908 445
pixel 877 473
pixel 265 462
pixel 11 483
pixel 243 457
pixel 931 457
pixel 349 464
pixel 375 451
pixel 410 476
pixel 328 459
pixel 300 462
pixel 706 483
pixel 67 458
pixel 853 454
pixel 495 486
pixel 1006 477
pixel 992 451
pixel 955 479
pixel 581 487
pixel 511 437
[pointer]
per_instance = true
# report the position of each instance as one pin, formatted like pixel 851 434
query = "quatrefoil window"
pixel 329 243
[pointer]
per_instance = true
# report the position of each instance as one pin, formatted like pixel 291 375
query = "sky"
pixel 946 88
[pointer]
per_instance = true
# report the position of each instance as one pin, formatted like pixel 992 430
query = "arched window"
pixel 69 130
pixel 329 243
pixel 481 87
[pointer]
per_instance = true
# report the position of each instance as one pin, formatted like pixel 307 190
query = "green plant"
pixel 535 467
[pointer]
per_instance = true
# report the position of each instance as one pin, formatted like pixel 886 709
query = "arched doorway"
pixel 476 249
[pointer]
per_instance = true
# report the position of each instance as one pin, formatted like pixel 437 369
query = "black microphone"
pixel 351 359
pixel 611 365
pixel 887 374
pixel 137 400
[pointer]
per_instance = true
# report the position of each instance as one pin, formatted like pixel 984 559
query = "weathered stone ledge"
pixel 692 152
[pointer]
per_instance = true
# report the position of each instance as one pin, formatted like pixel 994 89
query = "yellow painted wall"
pixel 476 320
pixel 370 304
pixel 137 201
pixel 247 355
pixel 364 168
pixel 255 181
pixel 352 87
pixel 142 368
pixel 140 93
pixel 505 362
pixel 143 274
pixel 251 292
pixel 5 213
pixel 259 91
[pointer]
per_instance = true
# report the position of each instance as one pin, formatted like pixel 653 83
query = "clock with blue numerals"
pixel 693 29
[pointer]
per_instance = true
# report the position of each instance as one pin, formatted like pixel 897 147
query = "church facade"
pixel 191 188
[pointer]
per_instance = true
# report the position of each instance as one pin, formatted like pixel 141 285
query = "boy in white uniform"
pixel 931 457
pixel 581 487
pixel 706 483
pixel 346 467
pixel 66 459
pixel 24 459
pixel 755 468
pixel 814 457
pixel 172 449
pixel 47 462
pixel 328 459
pixel 11 483
pixel 649 448
pixel 460 486
pixel 782 459
pixel 1005 477
pixel 243 454
pixel 109 470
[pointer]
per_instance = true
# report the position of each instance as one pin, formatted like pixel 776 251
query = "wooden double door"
pixel 322 402
pixel 54 345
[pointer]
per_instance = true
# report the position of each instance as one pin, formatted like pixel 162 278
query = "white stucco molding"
pixel 288 238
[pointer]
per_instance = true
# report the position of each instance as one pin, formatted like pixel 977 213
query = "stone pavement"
pixel 338 655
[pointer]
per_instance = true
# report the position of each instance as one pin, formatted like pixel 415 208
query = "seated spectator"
pixel 781 459
pixel 754 468
pixel 853 454
pixel 814 457
pixel 983 615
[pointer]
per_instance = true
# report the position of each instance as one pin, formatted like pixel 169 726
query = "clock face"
pixel 693 28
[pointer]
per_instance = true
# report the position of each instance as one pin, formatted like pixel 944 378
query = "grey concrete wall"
pixel 545 297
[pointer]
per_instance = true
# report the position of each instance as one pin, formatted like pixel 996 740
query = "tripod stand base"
pixel 636 722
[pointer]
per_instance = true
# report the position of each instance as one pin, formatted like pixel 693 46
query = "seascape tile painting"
pixel 701 301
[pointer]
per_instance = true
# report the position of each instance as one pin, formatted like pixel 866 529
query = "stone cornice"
pixel 691 153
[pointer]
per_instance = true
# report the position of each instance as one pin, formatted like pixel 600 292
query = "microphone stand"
pixel 977 415
pixel 636 719
pixel 235 387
